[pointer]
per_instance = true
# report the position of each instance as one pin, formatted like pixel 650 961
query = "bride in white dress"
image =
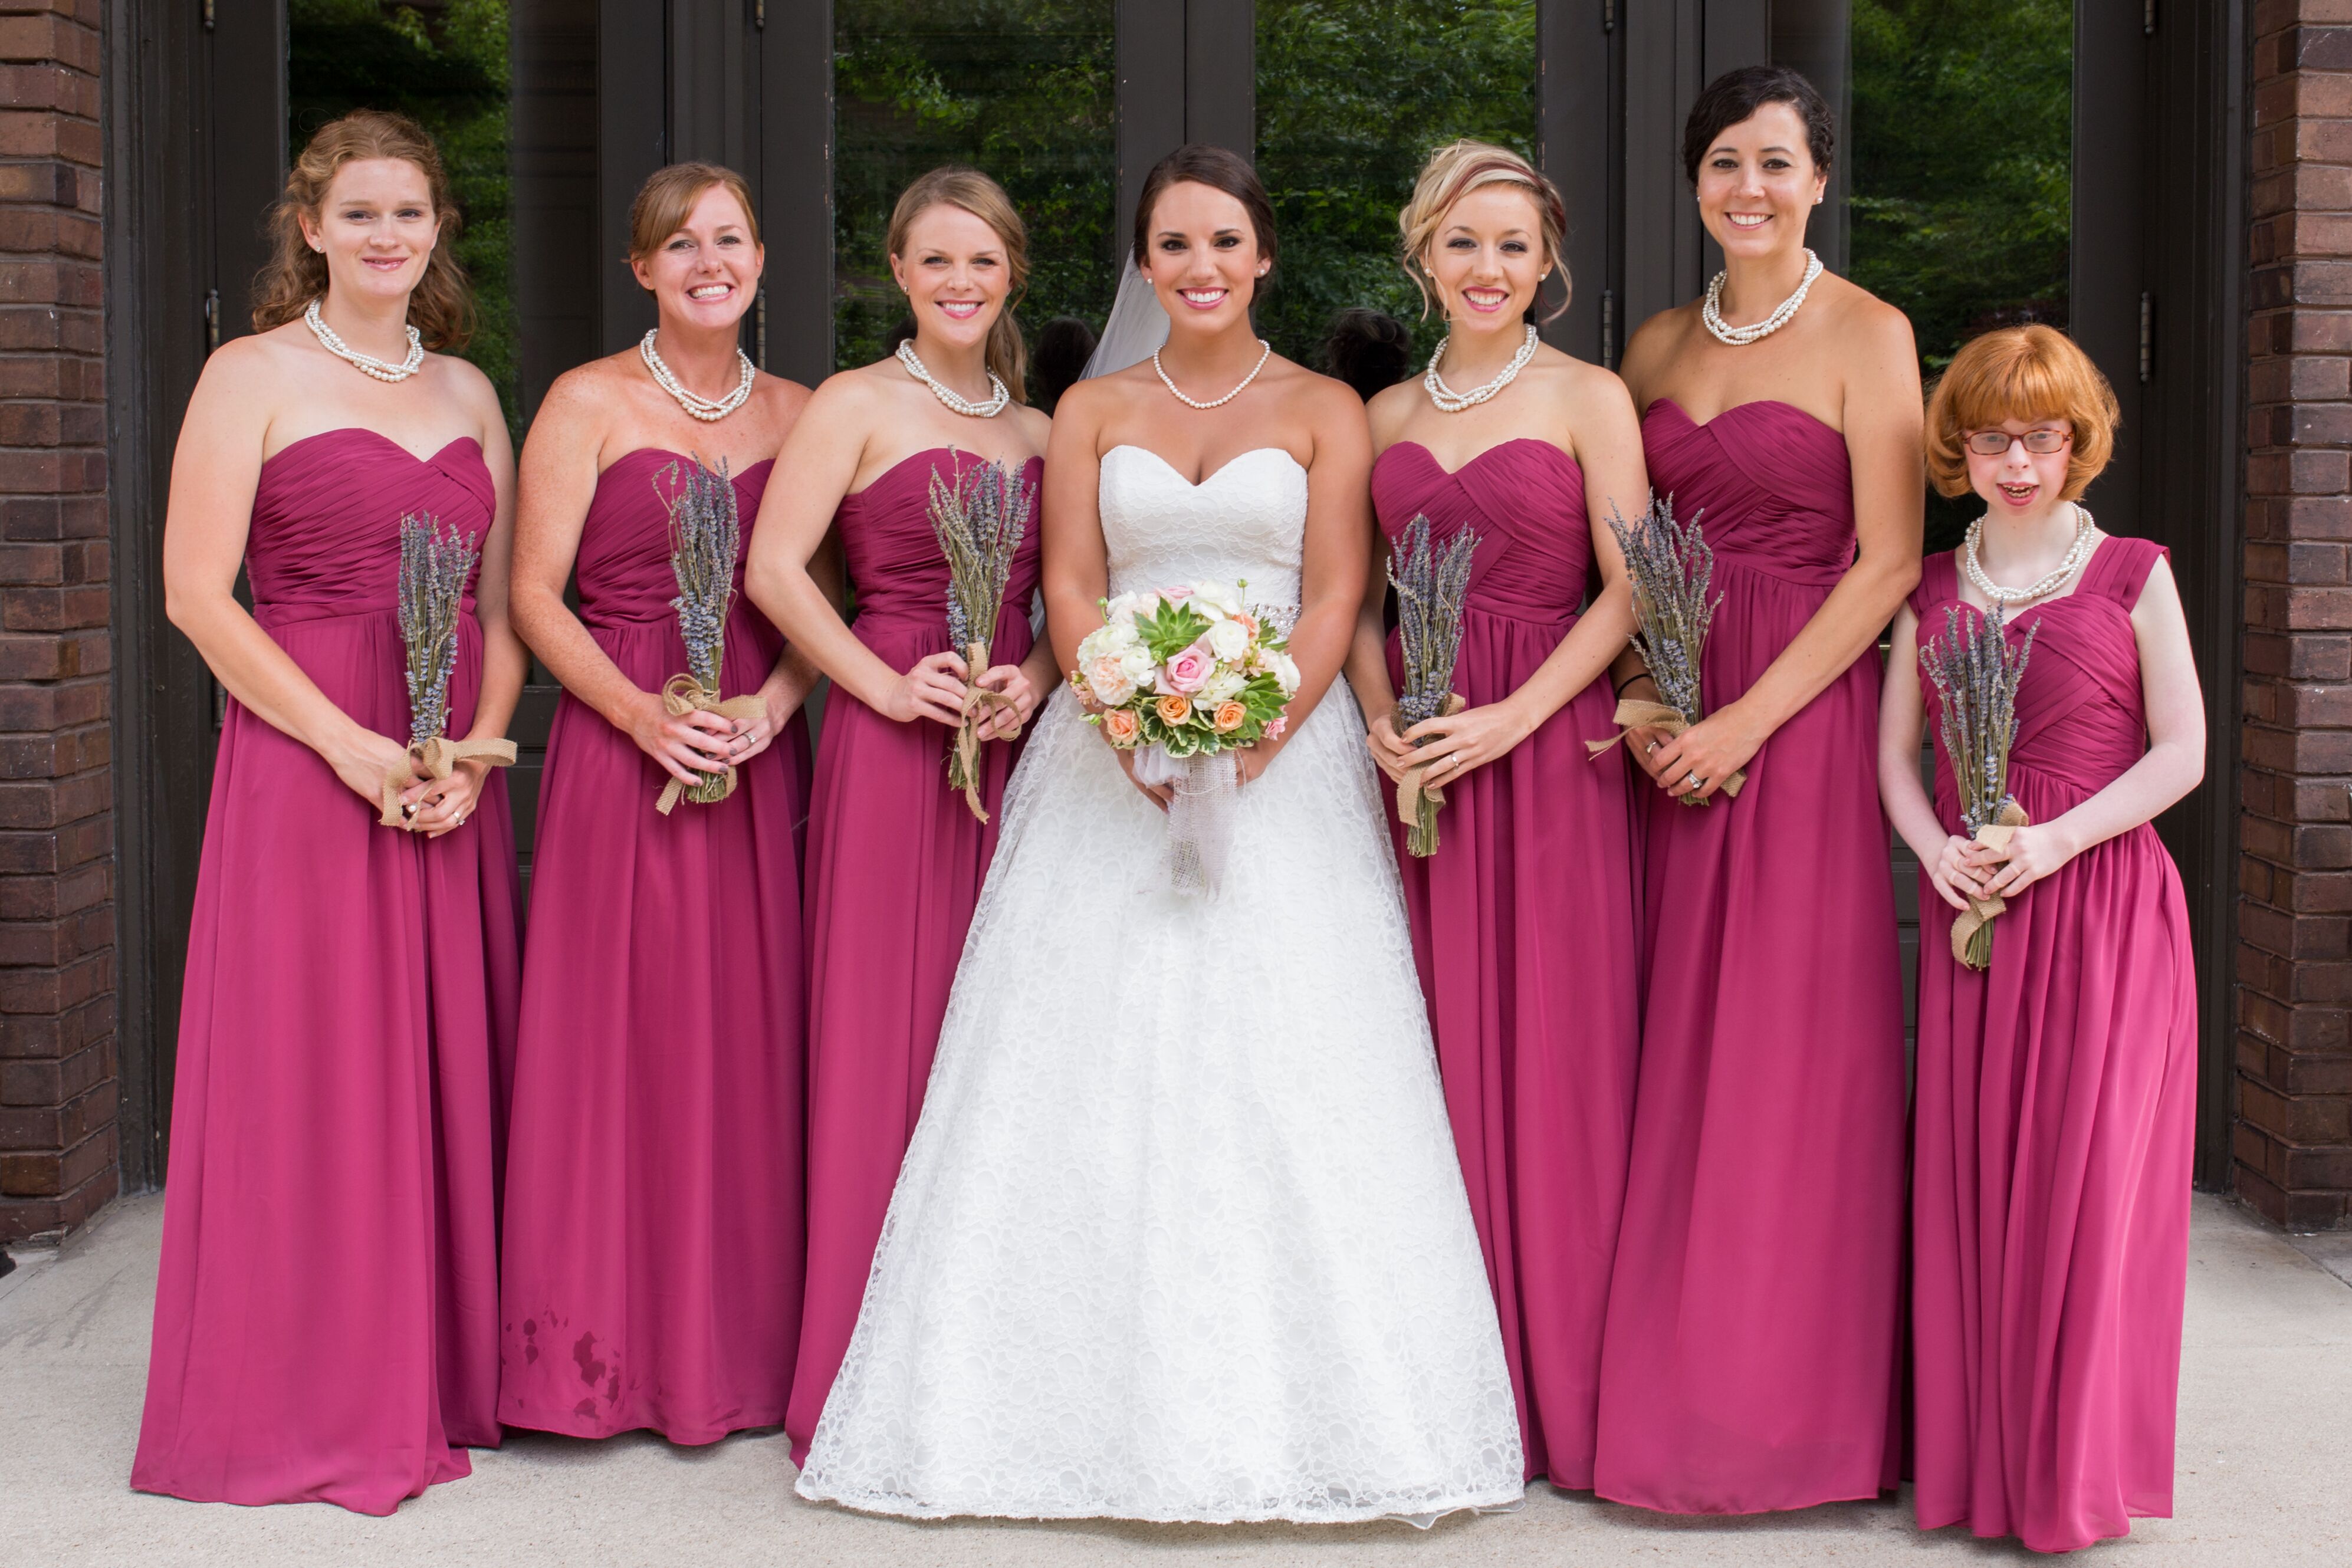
pixel 1180 1234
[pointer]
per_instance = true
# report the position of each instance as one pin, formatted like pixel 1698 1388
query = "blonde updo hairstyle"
pixel 956 186
pixel 441 309
pixel 2022 373
pixel 666 200
pixel 1453 171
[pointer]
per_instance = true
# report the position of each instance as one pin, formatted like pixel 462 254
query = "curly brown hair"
pixel 441 306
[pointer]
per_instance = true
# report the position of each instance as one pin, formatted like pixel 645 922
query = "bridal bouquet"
pixel 979 521
pixel 1431 585
pixel 1976 672
pixel 1183 677
pixel 435 567
pixel 1671 569
pixel 704 531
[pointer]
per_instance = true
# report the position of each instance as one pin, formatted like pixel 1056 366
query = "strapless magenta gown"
pixel 326 1316
pixel 895 864
pixel 1752 1355
pixel 2057 1119
pixel 653 1212
pixel 1527 931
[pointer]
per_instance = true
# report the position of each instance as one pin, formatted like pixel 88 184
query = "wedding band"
pixel 1650 749
pixel 1694 780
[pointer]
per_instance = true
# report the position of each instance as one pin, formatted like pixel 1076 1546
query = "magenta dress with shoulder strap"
pixel 653 1213
pixel 2057 1117
pixel 1527 929
pixel 326 1315
pixel 1751 1354
pixel 896 859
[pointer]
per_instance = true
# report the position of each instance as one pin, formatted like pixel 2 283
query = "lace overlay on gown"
pixel 1181 1235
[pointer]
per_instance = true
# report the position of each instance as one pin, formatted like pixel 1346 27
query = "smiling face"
pixel 707 272
pixel 2017 482
pixel 1758 184
pixel 955 274
pixel 376 228
pixel 1202 258
pixel 1487 259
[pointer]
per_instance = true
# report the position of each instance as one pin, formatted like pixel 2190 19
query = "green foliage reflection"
pixel 1022 90
pixel 1962 138
pixel 444 65
pixel 1351 96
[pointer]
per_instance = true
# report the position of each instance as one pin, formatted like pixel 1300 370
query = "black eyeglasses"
pixel 1997 443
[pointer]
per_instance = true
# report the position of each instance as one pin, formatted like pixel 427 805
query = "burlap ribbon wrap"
pixel 1633 713
pixel 684 695
pixel 1412 793
pixel 437 758
pixel 963 764
pixel 1978 917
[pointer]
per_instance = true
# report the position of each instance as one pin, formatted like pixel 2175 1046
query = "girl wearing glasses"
pixel 2056 1088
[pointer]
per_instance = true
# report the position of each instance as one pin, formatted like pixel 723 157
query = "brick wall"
pixel 56 915
pixel 2293 1139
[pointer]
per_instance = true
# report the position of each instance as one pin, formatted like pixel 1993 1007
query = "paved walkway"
pixel 2265 1468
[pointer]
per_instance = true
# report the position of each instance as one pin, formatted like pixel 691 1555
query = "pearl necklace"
pixel 1711 311
pixel 1448 401
pixel 955 400
pixel 381 369
pixel 1220 402
pixel 702 408
pixel 2041 588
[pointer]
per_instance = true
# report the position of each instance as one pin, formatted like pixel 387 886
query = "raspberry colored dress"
pixel 2057 1113
pixel 1750 1361
pixel 1527 930
pixel 895 864
pixel 653 1212
pixel 326 1316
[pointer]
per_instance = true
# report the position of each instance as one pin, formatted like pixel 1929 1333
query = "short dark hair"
pixel 1368 349
pixel 1737 94
pixel 1220 170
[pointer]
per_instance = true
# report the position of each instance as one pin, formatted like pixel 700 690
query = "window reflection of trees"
pixel 1350 100
pixel 442 63
pixel 1020 89
pixel 1962 148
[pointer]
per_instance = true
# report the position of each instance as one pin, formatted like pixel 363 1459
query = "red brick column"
pixel 2293 1134
pixel 56 827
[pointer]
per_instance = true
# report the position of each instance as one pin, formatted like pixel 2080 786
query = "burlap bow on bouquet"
pixel 1671 570
pixel 1430 586
pixel 980 521
pixel 1976 673
pixel 435 567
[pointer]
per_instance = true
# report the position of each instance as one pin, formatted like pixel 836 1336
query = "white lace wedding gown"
pixel 1180 1234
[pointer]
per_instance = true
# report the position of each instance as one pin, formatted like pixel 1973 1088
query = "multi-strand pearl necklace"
pixel 1711 311
pixel 381 369
pixel 2041 588
pixel 1448 401
pixel 1216 402
pixel 998 398
pixel 702 408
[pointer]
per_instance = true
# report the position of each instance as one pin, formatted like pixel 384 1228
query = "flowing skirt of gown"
pixel 1181 1235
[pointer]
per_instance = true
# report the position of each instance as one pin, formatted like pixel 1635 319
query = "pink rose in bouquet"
pixel 1188 670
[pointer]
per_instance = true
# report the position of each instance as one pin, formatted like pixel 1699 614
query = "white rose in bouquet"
pixel 1227 640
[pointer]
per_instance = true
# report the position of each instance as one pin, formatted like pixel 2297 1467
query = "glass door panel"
pixel 445 66
pixel 1962 146
pixel 1023 90
pixel 1350 98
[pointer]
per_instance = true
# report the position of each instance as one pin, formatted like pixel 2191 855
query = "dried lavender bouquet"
pixel 980 521
pixel 1976 672
pixel 434 567
pixel 1671 569
pixel 704 533
pixel 1431 585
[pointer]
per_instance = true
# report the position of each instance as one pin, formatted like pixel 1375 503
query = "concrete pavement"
pixel 2266 1466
